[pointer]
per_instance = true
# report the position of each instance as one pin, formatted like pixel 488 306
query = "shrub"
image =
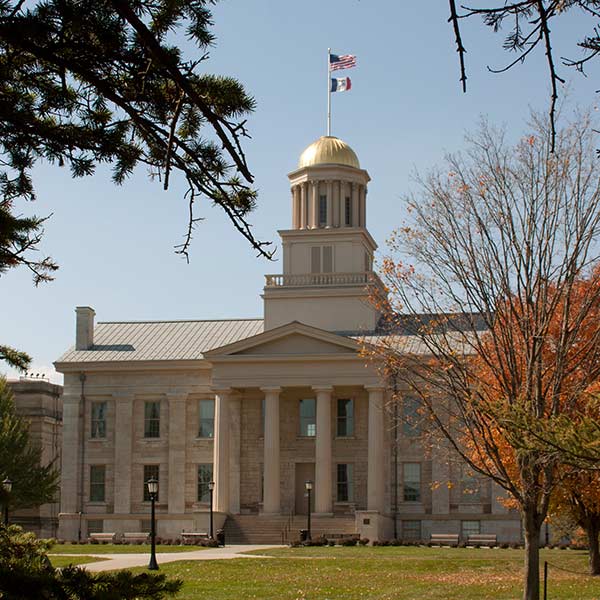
pixel 348 542
pixel 363 541
pixel 395 542
pixel 331 542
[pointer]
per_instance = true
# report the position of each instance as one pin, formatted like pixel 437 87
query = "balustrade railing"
pixel 320 279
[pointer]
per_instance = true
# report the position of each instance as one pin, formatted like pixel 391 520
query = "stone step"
pixel 255 529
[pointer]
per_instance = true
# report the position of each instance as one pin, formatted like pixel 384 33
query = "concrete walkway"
pixel 111 562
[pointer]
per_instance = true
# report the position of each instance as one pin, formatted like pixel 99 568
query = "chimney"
pixel 84 333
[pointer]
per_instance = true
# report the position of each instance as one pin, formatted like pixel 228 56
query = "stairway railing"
pixel 285 532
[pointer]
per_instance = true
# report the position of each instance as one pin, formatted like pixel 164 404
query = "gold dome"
pixel 328 150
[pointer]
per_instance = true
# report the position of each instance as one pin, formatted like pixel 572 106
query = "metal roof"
pixel 161 340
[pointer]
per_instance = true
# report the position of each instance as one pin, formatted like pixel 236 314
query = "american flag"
pixel 342 61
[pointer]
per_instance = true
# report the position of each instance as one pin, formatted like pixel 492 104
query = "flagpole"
pixel 328 91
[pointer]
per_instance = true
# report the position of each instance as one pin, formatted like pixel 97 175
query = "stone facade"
pixel 40 403
pixel 262 406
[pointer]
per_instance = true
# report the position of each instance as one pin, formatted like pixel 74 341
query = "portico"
pixel 316 368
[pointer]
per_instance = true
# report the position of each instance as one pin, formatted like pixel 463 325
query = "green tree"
pixel 86 82
pixel 33 483
pixel 26 572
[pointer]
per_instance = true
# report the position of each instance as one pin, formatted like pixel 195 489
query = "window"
pixel 308 421
pixel 411 426
pixel 97 483
pixel 470 528
pixel 345 483
pixel 322 210
pixel 95 526
pixel 411 530
pixel 470 486
pixel 150 472
pixel 345 417
pixel 205 474
pixel 145 525
pixel 348 211
pixel 412 482
pixel 98 428
pixel 206 427
pixel 152 419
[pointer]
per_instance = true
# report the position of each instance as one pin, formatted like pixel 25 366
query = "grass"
pixel 117 548
pixel 399 573
pixel 64 561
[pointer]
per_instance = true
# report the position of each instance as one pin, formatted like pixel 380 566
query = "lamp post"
pixel 153 493
pixel 211 487
pixel 308 485
pixel 7 487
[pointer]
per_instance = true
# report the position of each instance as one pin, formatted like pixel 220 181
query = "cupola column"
pixel 337 194
pixel 329 220
pixel 295 207
pixel 362 202
pixel 314 195
pixel 303 211
pixel 355 203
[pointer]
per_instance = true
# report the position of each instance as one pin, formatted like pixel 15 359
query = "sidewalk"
pixel 111 562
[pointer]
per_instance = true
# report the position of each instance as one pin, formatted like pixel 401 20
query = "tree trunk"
pixel 532 555
pixel 592 529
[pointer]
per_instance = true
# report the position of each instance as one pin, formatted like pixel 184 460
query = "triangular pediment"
pixel 293 339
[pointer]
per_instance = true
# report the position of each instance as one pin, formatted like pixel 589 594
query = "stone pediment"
pixel 293 339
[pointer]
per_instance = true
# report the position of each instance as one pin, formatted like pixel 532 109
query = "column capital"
pixel 375 388
pixel 221 390
pixel 322 388
pixel 271 388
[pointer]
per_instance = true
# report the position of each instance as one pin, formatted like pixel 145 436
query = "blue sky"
pixel 405 110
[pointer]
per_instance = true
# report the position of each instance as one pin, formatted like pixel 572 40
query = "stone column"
pixel 235 423
pixel 323 467
pixel 314 203
pixel 271 470
pixel 303 206
pixel 177 437
pixel 355 191
pixel 375 477
pixel 329 221
pixel 221 451
pixel 123 438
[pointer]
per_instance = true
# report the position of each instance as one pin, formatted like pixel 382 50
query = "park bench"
pixel 482 539
pixel 135 536
pixel 192 537
pixel 444 539
pixel 104 538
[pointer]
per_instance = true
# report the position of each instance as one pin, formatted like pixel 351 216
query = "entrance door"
pixel 304 472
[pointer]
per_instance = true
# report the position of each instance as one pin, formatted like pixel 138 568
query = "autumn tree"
pixel 480 319
pixel 91 82
pixel 577 498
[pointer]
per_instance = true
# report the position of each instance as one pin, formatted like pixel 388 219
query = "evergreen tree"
pixel 85 82
pixel 32 483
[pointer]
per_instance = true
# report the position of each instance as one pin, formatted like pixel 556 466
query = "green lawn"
pixel 63 561
pixel 117 548
pixel 380 573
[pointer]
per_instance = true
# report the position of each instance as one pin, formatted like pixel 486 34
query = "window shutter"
pixel 327 259
pixel 315 259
